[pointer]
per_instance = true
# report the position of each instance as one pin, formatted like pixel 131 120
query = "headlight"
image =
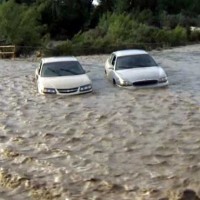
pixel 49 91
pixel 125 83
pixel 86 87
pixel 162 79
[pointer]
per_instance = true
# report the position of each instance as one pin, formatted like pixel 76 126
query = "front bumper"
pixel 68 92
pixel 157 85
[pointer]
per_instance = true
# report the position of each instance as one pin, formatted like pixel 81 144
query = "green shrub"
pixel 121 31
pixel 167 38
pixel 19 24
pixel 144 16
pixel 178 36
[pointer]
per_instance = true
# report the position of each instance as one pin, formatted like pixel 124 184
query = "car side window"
pixel 113 59
pixel 40 67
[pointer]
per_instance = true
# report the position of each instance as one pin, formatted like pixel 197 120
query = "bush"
pixel 167 38
pixel 178 36
pixel 19 25
pixel 120 31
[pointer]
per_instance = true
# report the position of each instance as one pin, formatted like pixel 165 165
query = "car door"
pixel 111 66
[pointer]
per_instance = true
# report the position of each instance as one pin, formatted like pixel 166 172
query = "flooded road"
pixel 114 143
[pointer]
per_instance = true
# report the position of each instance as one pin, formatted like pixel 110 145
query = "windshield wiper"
pixel 70 71
pixel 54 71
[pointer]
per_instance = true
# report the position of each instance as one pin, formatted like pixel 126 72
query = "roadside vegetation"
pixel 87 29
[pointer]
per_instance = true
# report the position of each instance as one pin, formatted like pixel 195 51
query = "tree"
pixel 65 17
pixel 19 24
pixel 27 2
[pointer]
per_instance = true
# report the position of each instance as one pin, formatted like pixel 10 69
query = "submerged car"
pixel 63 76
pixel 134 68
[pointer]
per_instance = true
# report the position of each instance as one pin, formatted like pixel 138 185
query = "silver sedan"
pixel 134 68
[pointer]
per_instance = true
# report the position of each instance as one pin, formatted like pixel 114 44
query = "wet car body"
pixel 134 68
pixel 62 76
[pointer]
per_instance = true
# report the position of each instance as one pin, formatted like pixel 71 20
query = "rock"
pixel 189 195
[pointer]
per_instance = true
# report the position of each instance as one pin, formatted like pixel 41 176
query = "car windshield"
pixel 134 61
pixel 66 68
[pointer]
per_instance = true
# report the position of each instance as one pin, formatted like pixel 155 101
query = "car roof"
pixel 129 52
pixel 58 59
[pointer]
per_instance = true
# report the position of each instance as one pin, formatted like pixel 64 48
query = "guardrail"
pixel 7 50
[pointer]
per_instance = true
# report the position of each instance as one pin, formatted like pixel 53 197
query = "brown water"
pixel 112 144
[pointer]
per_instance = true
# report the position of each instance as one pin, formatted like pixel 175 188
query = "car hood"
pixel 64 82
pixel 139 74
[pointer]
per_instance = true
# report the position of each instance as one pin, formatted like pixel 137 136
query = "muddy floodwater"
pixel 113 143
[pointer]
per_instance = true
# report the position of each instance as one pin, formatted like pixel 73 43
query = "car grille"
pixel 144 83
pixel 70 90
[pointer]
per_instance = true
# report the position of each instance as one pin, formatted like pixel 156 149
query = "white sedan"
pixel 134 68
pixel 63 76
